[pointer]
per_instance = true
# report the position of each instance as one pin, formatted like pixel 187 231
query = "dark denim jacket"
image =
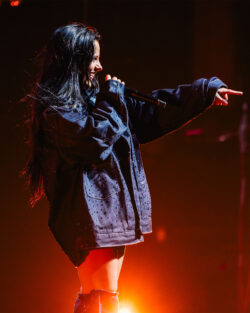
pixel 93 173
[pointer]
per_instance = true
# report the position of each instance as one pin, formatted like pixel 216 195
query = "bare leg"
pixel 100 270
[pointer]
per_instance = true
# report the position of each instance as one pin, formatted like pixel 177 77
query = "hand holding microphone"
pixel 135 93
pixel 108 77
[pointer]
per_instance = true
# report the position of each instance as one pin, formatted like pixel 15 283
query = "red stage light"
pixel 194 132
pixel 15 3
pixel 161 234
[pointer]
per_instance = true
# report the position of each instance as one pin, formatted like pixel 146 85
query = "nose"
pixel 98 66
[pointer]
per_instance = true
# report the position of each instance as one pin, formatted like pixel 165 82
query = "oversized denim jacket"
pixel 93 173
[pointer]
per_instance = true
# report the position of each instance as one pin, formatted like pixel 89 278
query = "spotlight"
pixel 127 307
pixel 15 3
pixel 125 310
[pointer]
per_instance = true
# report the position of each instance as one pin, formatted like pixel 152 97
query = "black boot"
pixel 97 301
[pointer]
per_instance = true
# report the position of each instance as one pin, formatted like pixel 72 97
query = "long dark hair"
pixel 65 67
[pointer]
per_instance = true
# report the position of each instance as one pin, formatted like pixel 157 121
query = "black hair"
pixel 64 69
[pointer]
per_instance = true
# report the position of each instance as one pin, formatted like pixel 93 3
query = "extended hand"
pixel 221 97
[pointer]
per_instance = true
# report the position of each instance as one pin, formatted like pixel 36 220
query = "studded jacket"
pixel 92 169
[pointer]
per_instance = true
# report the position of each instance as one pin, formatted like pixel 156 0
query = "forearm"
pixel 182 105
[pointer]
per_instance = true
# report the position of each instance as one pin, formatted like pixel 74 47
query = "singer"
pixel 85 156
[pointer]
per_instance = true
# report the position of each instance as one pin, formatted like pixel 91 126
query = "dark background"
pixel 189 263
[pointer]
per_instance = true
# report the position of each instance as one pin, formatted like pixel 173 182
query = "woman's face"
pixel 95 65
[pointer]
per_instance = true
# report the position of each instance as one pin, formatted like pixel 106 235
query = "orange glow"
pixel 15 3
pixel 125 310
pixel 126 307
pixel 161 234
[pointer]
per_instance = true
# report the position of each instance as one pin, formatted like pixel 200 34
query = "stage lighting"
pixel 15 3
pixel 161 234
pixel 127 307
pixel 125 310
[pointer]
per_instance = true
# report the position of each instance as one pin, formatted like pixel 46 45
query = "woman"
pixel 85 157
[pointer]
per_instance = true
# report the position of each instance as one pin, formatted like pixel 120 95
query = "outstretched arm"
pixel 183 104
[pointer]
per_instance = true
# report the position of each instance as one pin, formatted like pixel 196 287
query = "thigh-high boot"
pixel 97 301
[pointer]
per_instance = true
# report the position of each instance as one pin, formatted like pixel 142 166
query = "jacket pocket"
pixel 99 184
pixel 105 201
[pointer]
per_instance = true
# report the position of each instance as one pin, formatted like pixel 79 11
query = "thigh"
pixel 101 269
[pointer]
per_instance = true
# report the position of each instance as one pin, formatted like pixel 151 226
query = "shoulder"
pixel 60 119
pixel 69 114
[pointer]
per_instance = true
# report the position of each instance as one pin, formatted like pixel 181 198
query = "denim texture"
pixel 93 173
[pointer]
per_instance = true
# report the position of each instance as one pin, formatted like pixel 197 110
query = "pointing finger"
pixel 235 92
pixel 230 91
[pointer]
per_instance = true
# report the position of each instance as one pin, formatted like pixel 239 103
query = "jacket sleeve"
pixel 85 138
pixel 150 121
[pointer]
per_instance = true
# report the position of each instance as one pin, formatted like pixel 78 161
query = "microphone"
pixel 141 96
